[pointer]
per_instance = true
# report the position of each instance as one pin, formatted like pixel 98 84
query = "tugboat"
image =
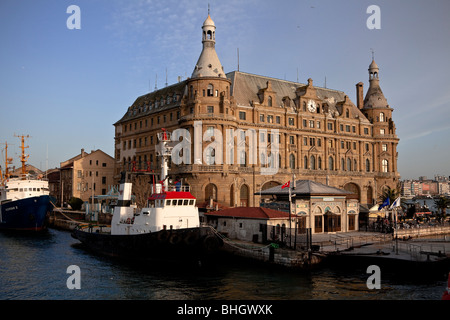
pixel 168 228
pixel 24 200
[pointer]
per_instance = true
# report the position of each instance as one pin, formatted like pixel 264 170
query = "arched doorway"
pixel 332 221
pixel 244 196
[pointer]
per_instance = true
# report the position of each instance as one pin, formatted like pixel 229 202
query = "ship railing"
pixel 158 188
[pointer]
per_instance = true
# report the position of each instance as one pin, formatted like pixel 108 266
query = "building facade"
pixel 241 133
pixel 86 175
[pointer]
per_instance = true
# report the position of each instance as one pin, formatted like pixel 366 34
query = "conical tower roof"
pixel 208 64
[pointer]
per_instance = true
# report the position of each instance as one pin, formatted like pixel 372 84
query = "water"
pixel 35 268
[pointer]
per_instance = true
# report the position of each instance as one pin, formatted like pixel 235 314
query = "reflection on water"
pixel 34 267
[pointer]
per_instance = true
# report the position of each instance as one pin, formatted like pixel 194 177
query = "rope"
pixel 60 211
pixel 230 242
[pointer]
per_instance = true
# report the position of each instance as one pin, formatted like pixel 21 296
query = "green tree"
pixel 76 203
pixel 442 204
pixel 390 193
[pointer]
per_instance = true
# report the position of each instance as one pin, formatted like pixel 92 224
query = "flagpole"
pixel 290 209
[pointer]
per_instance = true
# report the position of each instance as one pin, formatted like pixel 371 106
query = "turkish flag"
pixel 286 185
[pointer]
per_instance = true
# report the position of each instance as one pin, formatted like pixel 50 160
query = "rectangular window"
pixel 291 139
pixel 210 109
pixel 261 118
pixel 242 115
pixel 291 121
pixel 278 119
pixel 330 126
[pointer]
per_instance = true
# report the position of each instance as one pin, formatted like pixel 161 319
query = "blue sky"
pixel 65 88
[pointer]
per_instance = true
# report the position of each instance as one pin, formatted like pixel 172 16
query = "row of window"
pixel 154 104
pixel 144 123
pixel 311 124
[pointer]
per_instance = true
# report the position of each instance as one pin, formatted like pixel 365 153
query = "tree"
pixel 392 194
pixel 442 204
pixel 142 188
pixel 75 203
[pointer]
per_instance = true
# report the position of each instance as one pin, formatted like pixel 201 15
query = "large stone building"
pixel 86 175
pixel 244 133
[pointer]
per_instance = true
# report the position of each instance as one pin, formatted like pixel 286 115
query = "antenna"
pixel 238 57
pixel 208 9
pixel 166 77
pixel 325 81
pixel 156 82
pixel 373 53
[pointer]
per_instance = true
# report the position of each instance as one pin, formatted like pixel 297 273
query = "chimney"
pixel 82 153
pixel 360 95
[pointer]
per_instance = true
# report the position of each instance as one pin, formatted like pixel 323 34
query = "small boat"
pixel 24 200
pixel 167 228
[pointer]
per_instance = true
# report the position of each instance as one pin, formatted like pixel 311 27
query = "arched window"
pixel 342 164
pixel 269 101
pixel 312 163
pixel 292 161
pixel 319 163
pixel 381 117
pixel 211 192
pixel 355 165
pixel 367 165
pixel 210 91
pixel 349 164
pixel 384 165
pixel 330 163
pixel 243 159
pixel 244 195
pixel 305 162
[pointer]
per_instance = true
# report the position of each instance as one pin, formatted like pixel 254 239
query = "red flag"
pixel 286 185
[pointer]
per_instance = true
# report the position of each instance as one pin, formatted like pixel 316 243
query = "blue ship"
pixel 27 214
pixel 24 200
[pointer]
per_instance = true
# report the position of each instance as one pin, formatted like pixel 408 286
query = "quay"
pixel 424 248
pixel 417 250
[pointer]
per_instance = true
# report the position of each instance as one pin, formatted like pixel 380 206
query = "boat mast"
pixel 23 157
pixel 8 161
pixel 165 153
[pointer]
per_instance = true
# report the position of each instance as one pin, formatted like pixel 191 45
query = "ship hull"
pixel 194 244
pixel 27 214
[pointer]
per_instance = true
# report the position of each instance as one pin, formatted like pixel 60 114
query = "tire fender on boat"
pixel 191 238
pixel 211 243
pixel 163 236
pixel 175 239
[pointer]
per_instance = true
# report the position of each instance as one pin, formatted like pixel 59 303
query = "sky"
pixel 65 88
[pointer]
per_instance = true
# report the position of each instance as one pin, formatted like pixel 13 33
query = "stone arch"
pixel 244 195
pixel 353 188
pixel 211 192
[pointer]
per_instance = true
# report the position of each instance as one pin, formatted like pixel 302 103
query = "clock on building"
pixel 312 106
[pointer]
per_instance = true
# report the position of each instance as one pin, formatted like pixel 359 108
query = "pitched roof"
pixel 306 187
pixel 246 87
pixel 250 213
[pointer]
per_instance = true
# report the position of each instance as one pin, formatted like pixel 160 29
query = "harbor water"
pixel 36 267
